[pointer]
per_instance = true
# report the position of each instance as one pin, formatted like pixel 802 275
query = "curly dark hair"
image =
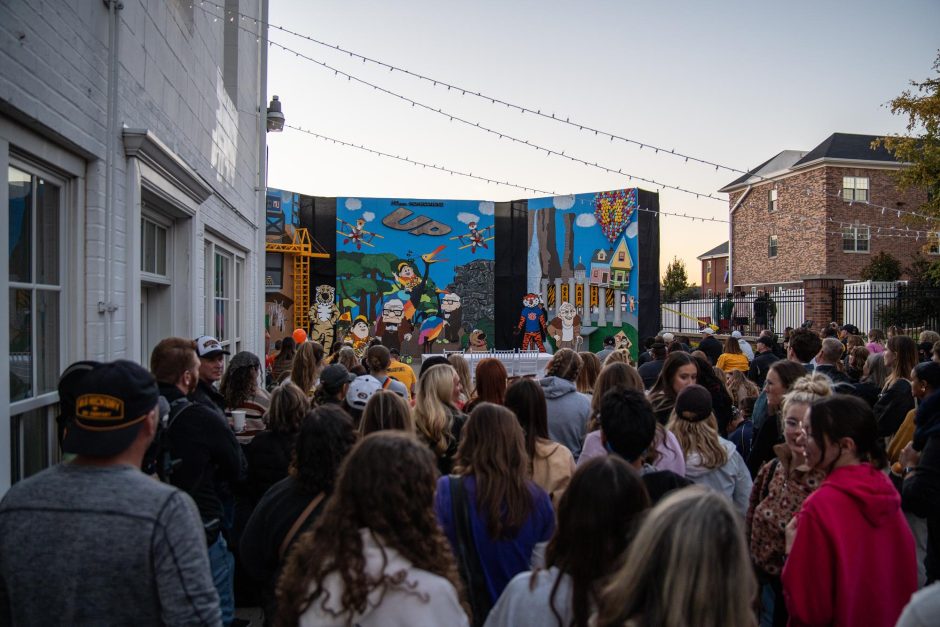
pixel 326 436
pixel 386 485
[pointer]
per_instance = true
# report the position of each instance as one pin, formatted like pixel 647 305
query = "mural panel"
pixel 416 273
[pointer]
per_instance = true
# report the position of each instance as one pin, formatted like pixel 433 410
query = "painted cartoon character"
pixel 392 326
pixel 359 335
pixel 432 327
pixel 406 277
pixel 323 316
pixel 532 321
pixel 565 328
pixel 357 233
pixel 632 301
pixel 452 313
pixel 477 342
pixel 476 238
pixel 622 341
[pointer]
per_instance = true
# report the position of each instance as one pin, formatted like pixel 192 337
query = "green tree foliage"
pixel 882 267
pixel 675 280
pixel 921 146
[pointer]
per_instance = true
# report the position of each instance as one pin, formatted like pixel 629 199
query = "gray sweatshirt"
pixel 568 413
pixel 82 545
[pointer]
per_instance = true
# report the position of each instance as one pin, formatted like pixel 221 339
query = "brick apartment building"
pixel 714 270
pixel 818 213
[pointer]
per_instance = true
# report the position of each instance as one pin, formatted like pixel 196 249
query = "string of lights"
pixel 433 166
pixel 499 134
pixel 230 15
pixel 442 168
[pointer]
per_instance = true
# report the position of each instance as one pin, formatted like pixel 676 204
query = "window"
pixel 621 256
pixel 772 246
pixel 772 199
pixel 855 239
pixel 153 248
pixel 855 188
pixel 36 299
pixel 225 274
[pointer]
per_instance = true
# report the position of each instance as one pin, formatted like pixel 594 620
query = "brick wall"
pixel 717 284
pixel 800 244
pixel 806 243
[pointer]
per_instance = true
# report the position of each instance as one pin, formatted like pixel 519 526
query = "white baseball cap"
pixel 707 331
pixel 361 390
pixel 736 335
pixel 668 337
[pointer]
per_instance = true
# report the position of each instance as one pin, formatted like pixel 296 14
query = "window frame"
pixel 233 288
pixel 149 214
pixel 933 244
pixel 855 188
pixel 855 231
pixel 773 246
pixel 773 202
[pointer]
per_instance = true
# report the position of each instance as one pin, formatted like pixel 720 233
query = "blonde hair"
pixel 699 437
pixel 459 362
pixel 804 391
pixel 620 355
pixel 741 387
pixel 688 563
pixel 432 406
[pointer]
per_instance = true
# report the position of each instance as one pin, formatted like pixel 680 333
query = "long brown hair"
pixel 289 404
pixel 617 374
pixel 386 410
pixel 306 366
pixel 492 449
pixel 688 562
pixel 589 541
pixel 590 368
pixel 386 485
pixel 526 400
pixel 904 350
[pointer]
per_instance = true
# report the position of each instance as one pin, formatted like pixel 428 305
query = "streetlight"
pixel 275 116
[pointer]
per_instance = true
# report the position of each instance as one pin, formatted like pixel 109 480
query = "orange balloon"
pixel 299 335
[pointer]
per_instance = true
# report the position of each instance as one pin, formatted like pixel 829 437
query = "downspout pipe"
pixel 106 306
pixel 262 187
pixel 731 236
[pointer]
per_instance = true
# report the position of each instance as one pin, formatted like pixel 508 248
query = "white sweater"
pixel 421 600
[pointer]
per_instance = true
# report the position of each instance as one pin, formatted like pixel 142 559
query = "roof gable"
pixel 847 146
pixel 721 250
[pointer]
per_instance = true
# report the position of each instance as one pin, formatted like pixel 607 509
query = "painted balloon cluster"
pixel 613 211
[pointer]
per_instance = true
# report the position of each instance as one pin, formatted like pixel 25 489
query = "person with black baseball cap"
pixel 95 541
pixel 207 457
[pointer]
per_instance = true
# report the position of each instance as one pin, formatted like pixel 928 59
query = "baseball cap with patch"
pixel 111 401
pixel 208 346
pixel 361 390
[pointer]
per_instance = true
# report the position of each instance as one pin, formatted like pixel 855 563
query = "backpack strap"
pixel 770 475
pixel 304 515
pixel 468 559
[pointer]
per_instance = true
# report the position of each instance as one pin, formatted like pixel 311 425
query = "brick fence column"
pixel 822 299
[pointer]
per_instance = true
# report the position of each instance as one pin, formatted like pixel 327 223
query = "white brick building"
pixel 133 154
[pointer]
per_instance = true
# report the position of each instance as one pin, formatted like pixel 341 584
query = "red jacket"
pixel 853 560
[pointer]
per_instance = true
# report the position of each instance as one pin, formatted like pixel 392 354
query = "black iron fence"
pixel 867 305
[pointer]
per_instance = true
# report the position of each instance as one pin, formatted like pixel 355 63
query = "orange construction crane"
pixel 301 247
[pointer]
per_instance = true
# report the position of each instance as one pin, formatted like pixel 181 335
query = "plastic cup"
pixel 238 420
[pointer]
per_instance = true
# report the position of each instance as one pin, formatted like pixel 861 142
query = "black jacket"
pixel 268 457
pixel 920 495
pixel 892 407
pixel 833 373
pixel 711 347
pixel 760 366
pixel 207 454
pixel 207 395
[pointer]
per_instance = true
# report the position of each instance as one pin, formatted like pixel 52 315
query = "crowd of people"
pixel 789 480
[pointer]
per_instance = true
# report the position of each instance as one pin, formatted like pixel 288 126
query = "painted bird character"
pixel 431 328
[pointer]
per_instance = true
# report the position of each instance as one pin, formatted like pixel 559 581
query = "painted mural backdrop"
pixel 416 273
pixel 591 238
pixel 281 218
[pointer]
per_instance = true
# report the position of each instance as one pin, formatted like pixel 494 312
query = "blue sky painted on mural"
pixel 452 215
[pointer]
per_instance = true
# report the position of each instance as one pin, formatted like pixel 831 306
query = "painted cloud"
pixel 353 204
pixel 586 220
pixel 487 208
pixel 368 216
pixel 467 218
pixel 563 202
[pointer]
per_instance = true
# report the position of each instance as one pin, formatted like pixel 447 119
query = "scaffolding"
pixel 301 247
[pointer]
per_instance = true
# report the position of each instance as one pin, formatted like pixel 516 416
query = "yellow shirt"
pixel 404 373
pixel 729 362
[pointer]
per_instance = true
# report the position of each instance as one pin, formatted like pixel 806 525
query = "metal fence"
pixel 867 305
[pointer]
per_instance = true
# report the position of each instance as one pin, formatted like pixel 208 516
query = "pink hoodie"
pixel 853 560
